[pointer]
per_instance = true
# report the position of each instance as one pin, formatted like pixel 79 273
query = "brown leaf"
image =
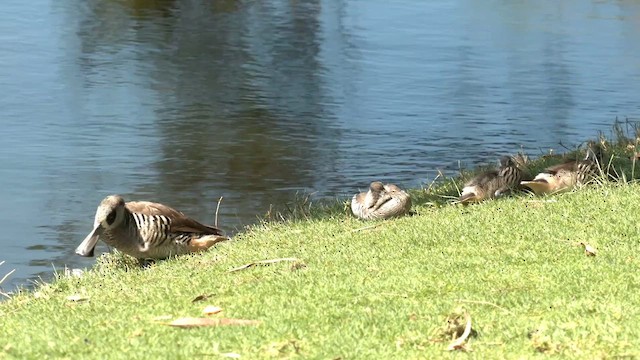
pixel 458 344
pixel 201 297
pixel 211 309
pixel 588 249
pixel 199 322
pixel 77 298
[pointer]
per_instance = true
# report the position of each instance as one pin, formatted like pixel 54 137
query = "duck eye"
pixel 111 217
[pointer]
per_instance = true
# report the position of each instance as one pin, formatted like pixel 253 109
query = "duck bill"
pixel 539 187
pixel 468 198
pixel 88 245
pixel 470 194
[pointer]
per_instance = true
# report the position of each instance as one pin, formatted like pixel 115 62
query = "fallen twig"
pixel 199 322
pixel 366 227
pixel 484 303
pixel 262 262
pixel 458 343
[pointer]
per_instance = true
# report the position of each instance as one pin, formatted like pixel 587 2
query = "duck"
pixel 493 183
pixel 566 176
pixel 381 201
pixel 147 230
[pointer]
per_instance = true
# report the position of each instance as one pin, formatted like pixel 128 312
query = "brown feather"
pixel 567 166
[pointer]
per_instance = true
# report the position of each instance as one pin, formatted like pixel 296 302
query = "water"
pixel 182 102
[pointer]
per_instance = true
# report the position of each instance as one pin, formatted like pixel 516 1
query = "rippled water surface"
pixel 182 102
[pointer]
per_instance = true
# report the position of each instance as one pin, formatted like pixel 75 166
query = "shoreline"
pixel 336 286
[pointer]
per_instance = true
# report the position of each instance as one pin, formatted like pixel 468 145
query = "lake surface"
pixel 182 102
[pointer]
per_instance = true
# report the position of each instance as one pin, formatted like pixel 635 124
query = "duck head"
pixel 110 213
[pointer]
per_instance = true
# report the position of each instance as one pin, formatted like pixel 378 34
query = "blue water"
pixel 182 102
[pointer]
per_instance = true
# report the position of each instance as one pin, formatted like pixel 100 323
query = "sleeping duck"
pixel 381 202
pixel 566 176
pixel 493 183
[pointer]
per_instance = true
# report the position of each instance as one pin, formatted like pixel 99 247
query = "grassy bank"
pixel 367 290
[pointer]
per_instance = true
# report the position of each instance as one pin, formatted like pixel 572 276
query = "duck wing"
pixel 483 178
pixel 179 222
pixel 570 166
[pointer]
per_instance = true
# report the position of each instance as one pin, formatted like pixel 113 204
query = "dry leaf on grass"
pixel 262 262
pixel 200 322
pixel 298 265
pixel 201 297
pixel 458 344
pixel 77 298
pixel 211 309
pixel 588 249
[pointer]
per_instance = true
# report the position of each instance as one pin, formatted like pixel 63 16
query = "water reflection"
pixel 183 102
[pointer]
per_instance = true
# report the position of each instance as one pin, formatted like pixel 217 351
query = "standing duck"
pixel 380 202
pixel 567 175
pixel 147 230
pixel 493 183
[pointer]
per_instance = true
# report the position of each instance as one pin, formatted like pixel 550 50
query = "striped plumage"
pixel 381 202
pixel 147 230
pixel 493 183
pixel 567 175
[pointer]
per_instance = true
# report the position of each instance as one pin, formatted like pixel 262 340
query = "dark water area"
pixel 184 101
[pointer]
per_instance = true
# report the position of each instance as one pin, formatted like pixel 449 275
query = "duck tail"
pixel 205 242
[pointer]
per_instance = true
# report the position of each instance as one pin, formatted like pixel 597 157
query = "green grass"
pixel 373 290
pixel 382 292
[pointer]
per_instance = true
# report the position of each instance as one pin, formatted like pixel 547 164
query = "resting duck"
pixel 493 183
pixel 380 202
pixel 567 175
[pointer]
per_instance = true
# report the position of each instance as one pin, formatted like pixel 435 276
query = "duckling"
pixel 380 202
pixel 566 176
pixel 493 183
pixel 147 230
